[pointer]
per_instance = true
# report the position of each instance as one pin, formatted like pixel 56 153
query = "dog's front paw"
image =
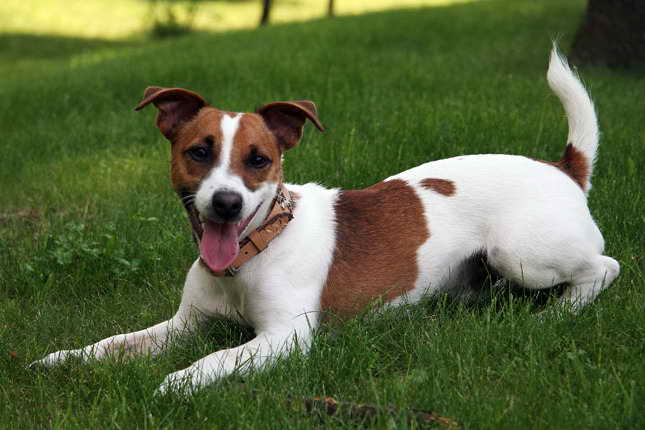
pixel 184 382
pixel 53 359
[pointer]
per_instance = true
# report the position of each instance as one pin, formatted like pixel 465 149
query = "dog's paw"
pixel 53 359
pixel 184 382
pixel 47 362
pixel 38 366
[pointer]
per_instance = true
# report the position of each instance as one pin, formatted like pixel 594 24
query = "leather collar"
pixel 258 240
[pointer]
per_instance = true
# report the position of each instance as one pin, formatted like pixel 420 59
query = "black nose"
pixel 227 205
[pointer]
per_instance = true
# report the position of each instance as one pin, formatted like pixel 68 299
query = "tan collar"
pixel 258 240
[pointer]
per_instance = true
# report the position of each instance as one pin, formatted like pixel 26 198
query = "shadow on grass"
pixel 21 53
pixel 16 47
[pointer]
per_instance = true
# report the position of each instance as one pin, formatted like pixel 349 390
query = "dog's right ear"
pixel 175 105
pixel 287 119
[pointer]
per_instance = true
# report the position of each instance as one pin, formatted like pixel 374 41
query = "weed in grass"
pixel 73 247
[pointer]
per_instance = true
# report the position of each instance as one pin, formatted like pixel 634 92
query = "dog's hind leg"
pixel 540 255
pixel 584 277
pixel 588 283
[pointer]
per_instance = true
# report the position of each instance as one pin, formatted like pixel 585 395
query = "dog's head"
pixel 227 166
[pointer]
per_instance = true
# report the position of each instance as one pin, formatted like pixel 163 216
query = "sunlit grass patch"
pixel 117 19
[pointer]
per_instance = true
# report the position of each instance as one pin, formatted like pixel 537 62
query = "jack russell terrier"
pixel 279 256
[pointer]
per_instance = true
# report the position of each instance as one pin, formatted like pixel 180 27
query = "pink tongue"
pixel 219 245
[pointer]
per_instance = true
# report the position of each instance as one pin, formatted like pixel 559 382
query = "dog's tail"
pixel 582 143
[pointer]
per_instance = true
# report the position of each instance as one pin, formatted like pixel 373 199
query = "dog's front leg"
pixel 283 309
pixel 199 301
pixel 150 340
pixel 261 351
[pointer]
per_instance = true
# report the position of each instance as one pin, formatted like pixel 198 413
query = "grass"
pixel 93 242
pixel 43 34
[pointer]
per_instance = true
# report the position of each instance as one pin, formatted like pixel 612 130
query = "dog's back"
pixel 528 219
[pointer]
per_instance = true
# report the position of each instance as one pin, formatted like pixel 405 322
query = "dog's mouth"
pixel 220 242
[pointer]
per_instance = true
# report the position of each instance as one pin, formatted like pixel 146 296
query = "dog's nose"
pixel 227 205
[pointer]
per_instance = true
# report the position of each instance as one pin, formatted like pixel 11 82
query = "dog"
pixel 279 256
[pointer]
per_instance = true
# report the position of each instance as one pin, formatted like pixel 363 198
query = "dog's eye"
pixel 257 161
pixel 199 153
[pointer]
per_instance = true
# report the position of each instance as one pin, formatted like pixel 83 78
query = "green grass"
pixel 42 34
pixel 93 242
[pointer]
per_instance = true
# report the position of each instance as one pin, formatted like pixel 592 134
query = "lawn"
pixel 45 34
pixel 93 241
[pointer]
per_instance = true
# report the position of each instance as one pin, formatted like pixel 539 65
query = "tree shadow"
pixel 32 52
pixel 17 46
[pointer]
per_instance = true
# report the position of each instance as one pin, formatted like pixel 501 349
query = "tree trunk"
pixel 266 11
pixel 330 8
pixel 612 34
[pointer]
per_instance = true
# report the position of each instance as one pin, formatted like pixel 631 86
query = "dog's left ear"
pixel 175 105
pixel 286 120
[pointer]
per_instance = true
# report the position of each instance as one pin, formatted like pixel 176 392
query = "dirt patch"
pixel 24 214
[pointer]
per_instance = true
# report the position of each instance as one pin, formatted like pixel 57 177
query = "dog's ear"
pixel 286 120
pixel 175 105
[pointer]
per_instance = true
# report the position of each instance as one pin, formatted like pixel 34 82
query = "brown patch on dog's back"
pixel 253 136
pixel 379 230
pixel 575 164
pixel 441 186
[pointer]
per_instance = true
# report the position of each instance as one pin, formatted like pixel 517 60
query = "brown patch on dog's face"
pixel 379 230
pixel 574 164
pixel 193 128
pixel 196 150
pixel 441 186
pixel 256 154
